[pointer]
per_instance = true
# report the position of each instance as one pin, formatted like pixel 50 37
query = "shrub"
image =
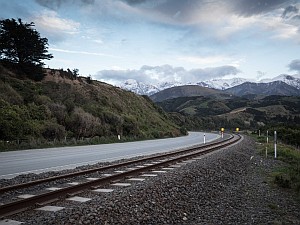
pixel 282 181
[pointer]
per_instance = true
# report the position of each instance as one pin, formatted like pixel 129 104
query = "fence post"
pixel 275 144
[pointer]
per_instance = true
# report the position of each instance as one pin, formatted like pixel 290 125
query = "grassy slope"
pixel 51 108
pixel 234 108
pixel 288 175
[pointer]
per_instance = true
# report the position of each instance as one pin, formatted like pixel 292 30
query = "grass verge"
pixel 287 176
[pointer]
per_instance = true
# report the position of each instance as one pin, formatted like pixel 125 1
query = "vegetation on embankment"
pixel 64 109
pixel 288 175
pixel 213 112
pixel 287 133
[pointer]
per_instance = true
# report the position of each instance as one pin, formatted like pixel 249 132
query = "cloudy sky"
pixel 167 40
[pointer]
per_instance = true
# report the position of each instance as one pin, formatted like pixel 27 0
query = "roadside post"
pixel 275 144
pixel 204 138
pixel 267 136
pixel 222 132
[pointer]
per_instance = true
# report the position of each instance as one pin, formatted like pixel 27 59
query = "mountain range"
pixel 264 89
pixel 220 84
pixel 248 90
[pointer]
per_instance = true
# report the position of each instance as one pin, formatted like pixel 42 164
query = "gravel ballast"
pixel 226 187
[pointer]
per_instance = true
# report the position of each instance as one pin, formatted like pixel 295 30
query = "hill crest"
pixel 184 91
pixel 265 89
pixel 62 108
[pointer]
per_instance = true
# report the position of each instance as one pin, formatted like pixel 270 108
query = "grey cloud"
pixel 296 17
pixel 253 7
pixel 176 7
pixel 291 16
pixel 146 74
pixel 115 75
pixel 166 73
pixel 214 72
pixel 134 2
pixel 168 10
pixel 240 7
pixel 295 65
pixel 88 1
pixel 288 10
pixel 178 11
pixel 56 4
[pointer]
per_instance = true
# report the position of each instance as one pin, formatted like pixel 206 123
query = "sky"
pixel 155 41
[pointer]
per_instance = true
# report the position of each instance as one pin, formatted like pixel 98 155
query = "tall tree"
pixel 21 43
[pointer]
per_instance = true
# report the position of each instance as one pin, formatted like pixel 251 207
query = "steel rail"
pixel 25 204
pixel 113 166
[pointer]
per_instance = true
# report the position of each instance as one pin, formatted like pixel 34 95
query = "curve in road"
pixel 51 159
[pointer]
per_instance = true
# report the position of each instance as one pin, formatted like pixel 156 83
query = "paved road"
pixel 41 160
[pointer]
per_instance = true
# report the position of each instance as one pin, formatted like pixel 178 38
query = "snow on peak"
pixel 139 87
pixel 293 80
pixel 221 84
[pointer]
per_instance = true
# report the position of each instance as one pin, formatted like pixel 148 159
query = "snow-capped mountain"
pixel 146 89
pixel 293 80
pixel 271 88
pixel 139 87
pixel 221 84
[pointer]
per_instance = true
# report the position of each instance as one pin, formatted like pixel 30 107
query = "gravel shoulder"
pixel 227 187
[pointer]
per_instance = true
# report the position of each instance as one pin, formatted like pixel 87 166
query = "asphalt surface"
pixel 51 159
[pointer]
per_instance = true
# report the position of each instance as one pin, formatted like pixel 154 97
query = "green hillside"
pixel 66 109
pixel 186 91
pixel 212 113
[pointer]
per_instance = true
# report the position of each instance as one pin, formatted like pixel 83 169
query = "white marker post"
pixel 267 136
pixel 204 138
pixel 222 132
pixel 275 143
pixel 258 133
pixel 119 137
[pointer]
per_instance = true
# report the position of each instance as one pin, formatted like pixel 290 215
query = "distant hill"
pixel 63 106
pixel 184 91
pixel 247 89
pixel 272 88
pixel 212 113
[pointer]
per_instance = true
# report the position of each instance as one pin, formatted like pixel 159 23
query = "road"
pixel 51 159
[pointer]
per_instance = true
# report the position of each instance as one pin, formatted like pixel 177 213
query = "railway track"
pixel 122 170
